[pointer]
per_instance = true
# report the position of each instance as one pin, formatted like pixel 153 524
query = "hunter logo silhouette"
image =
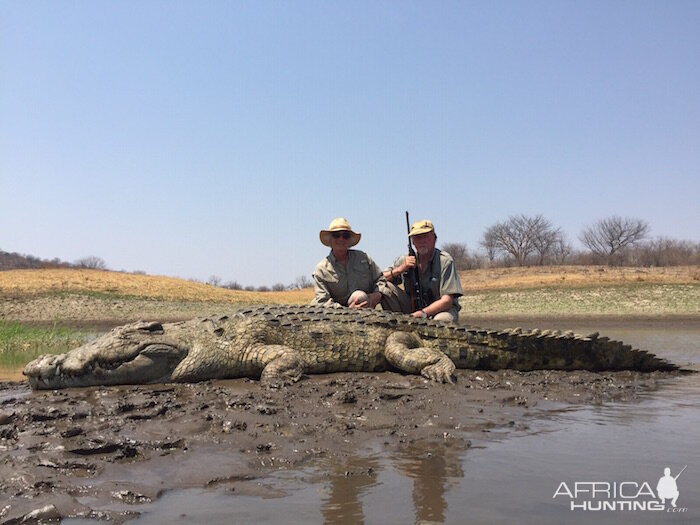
pixel 666 488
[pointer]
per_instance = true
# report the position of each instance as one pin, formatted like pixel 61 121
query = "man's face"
pixel 424 243
pixel 340 240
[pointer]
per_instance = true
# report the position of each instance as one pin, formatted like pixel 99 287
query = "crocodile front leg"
pixel 282 365
pixel 275 364
pixel 406 352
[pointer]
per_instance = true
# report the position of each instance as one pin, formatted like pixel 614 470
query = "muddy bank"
pixel 101 452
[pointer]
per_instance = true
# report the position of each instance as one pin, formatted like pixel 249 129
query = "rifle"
pixel 415 290
pixel 681 472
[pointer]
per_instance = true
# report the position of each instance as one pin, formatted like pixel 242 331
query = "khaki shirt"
pixel 335 282
pixel 439 279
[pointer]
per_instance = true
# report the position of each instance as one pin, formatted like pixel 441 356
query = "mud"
pixel 91 453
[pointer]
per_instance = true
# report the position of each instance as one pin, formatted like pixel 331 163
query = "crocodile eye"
pixel 152 327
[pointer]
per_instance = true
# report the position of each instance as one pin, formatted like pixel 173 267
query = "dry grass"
pixel 615 300
pixel 581 290
pixel 22 283
pixel 27 283
pixel 574 276
pixel 81 295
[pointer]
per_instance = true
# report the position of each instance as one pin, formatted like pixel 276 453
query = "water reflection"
pixel 348 482
pixel 423 474
pixel 433 469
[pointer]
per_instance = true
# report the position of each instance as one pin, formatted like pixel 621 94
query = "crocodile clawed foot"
pixel 285 369
pixel 440 372
pixel 279 381
pixel 280 378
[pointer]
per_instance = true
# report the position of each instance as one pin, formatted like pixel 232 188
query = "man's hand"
pixel 409 262
pixel 357 304
pixel 441 305
pixel 374 299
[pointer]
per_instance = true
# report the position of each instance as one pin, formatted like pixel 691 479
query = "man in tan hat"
pixel 438 277
pixel 346 277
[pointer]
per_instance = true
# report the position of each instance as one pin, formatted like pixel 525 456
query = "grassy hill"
pixel 571 291
pixel 53 310
pixel 93 296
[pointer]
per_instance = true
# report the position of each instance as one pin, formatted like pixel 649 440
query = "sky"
pixel 197 139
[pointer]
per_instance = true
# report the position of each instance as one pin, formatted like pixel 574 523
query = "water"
pixel 615 442
pixel 511 479
pixel 11 373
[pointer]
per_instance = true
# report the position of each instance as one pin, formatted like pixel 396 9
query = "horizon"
pixel 194 141
pixel 500 264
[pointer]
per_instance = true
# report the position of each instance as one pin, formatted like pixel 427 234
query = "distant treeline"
pixel 521 240
pixel 18 261
pixel 301 282
pixel 655 253
pixel 524 240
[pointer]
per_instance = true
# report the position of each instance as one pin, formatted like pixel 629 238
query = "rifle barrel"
pixel 416 291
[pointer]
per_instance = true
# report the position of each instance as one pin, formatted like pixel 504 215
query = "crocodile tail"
pixel 535 350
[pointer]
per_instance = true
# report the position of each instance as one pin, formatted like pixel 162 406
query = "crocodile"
pixel 279 344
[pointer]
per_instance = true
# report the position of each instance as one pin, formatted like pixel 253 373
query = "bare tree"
pixel 278 287
pixel 608 238
pixel 488 243
pixel 664 251
pixel 214 280
pixel 302 282
pixel 547 241
pixel 464 258
pixel 521 236
pixel 92 262
pixel 561 251
pixel 459 254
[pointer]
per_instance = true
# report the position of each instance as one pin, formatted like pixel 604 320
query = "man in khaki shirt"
pixel 346 277
pixel 438 277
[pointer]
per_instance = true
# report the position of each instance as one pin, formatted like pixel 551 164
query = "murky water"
pixel 524 477
pixel 11 373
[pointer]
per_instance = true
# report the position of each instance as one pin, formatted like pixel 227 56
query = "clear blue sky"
pixel 217 138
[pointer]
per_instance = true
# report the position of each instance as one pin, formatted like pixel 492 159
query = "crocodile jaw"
pixel 88 366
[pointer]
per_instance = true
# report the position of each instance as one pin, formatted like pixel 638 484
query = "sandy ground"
pixel 80 452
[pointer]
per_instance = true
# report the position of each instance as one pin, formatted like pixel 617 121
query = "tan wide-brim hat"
pixel 339 225
pixel 420 227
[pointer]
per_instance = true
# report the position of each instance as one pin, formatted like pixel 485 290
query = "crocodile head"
pixel 136 353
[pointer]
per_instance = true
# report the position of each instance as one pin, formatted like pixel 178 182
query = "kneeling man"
pixel 438 277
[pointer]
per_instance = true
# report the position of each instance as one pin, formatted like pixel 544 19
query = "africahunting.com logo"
pixel 602 496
